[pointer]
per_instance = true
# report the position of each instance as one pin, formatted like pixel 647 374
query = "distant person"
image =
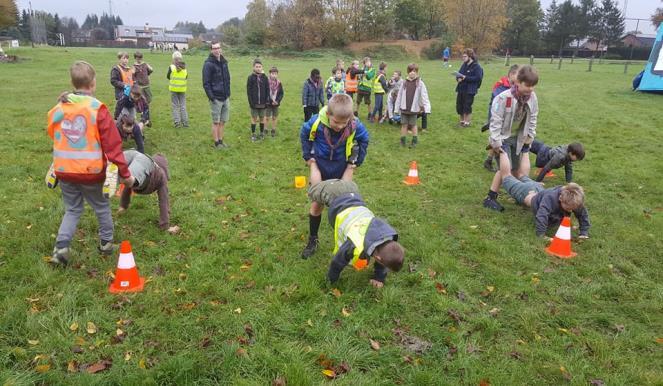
pixel 134 104
pixel 142 72
pixel 335 84
pixel 178 77
pixel 365 87
pixel 549 158
pixel 412 100
pixel 352 79
pixel 500 86
pixel 334 143
pixel 394 86
pixel 312 95
pixel 469 80
pixel 216 82
pixel 379 88
pixel 446 54
pixel 121 77
pixel 257 92
pixel 275 97
pixel 85 139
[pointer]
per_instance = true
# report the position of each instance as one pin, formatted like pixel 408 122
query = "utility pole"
pixel 110 8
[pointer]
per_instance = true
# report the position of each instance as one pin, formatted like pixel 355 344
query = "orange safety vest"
pixel 350 84
pixel 127 75
pixel 76 138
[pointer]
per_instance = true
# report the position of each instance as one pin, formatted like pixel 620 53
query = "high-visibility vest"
pixel 366 79
pixel 377 86
pixel 352 223
pixel 177 79
pixel 127 75
pixel 350 84
pixel 349 142
pixel 335 87
pixel 76 138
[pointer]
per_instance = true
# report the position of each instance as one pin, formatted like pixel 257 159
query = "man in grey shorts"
pixel 216 82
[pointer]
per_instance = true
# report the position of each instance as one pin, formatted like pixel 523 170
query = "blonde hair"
pixel 122 54
pixel 82 74
pixel 340 106
pixel 572 196
pixel 177 55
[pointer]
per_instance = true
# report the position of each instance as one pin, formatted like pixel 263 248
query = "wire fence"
pixel 562 62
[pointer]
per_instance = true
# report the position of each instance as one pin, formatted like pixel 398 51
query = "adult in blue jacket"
pixel 334 142
pixel 469 80
pixel 216 82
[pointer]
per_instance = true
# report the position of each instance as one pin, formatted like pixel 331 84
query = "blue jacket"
pixel 216 78
pixel 378 232
pixel 312 95
pixel 446 53
pixel 473 77
pixel 322 151
pixel 548 211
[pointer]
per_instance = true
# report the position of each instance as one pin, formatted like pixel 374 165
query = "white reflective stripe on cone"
pixel 563 233
pixel 413 173
pixel 126 261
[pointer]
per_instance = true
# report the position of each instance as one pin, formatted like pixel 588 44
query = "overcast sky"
pixel 166 13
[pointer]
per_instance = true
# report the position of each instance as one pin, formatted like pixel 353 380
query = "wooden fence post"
pixel 531 60
pixel 559 65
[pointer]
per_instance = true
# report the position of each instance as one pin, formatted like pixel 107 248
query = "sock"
pixel 403 140
pixel 262 128
pixel 253 128
pixel 415 139
pixel 314 225
pixel 490 158
pixel 492 195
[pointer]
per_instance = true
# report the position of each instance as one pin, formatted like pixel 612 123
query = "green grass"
pixel 598 316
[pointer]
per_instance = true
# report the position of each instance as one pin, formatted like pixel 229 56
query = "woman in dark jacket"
pixel 469 80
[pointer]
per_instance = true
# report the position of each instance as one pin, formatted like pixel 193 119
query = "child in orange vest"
pixel 84 137
pixel 122 78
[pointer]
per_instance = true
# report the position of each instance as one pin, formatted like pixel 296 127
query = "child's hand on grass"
pixel 376 284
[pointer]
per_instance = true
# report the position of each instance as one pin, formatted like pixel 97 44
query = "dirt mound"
pixel 412 47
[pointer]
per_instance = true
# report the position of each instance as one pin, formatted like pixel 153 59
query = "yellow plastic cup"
pixel 300 182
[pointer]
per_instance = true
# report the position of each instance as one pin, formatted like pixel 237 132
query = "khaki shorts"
pixel 220 110
pixel 365 96
pixel 272 111
pixel 408 119
pixel 326 191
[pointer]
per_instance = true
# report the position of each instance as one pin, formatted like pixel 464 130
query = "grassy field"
pixel 229 301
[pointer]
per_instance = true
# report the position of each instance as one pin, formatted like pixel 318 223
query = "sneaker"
pixel 107 249
pixel 488 164
pixel 273 132
pixel 413 145
pixel 485 127
pixel 310 248
pixel 261 136
pixel 186 125
pixel 253 137
pixel 220 146
pixel 467 124
pixel 60 256
pixel 403 143
pixel 492 204
pixel 177 125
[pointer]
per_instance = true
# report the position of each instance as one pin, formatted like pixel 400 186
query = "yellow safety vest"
pixel 352 223
pixel 177 79
pixel 366 79
pixel 377 86
pixel 314 129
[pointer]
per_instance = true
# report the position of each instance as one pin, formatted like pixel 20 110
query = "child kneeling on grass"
pixel 549 206
pixel 358 234
pixel 548 158
pixel 151 175
pixel 129 128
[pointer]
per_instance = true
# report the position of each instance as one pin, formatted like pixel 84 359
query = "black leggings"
pixel 310 111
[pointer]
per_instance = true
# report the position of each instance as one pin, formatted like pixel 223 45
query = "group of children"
pixel 512 125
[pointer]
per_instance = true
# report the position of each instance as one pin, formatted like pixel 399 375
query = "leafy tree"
pixel 477 23
pixel 562 24
pixel 8 14
pixel 376 18
pixel 434 18
pixel 522 32
pixel 410 17
pixel 657 17
pixel 69 27
pixel 91 22
pixel 610 24
pixel 256 21
pixel 191 27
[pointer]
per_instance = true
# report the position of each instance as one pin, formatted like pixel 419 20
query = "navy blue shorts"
pixel 331 169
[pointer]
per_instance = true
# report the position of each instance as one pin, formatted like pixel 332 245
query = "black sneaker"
pixel 492 204
pixel 488 164
pixel 485 127
pixel 60 256
pixel 310 248
pixel 273 133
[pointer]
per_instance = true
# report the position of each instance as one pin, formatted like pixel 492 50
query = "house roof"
pixel 157 34
pixel 644 39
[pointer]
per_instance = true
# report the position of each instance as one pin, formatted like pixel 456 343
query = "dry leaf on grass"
pixel 72 367
pixel 99 366
pixel 331 374
pixel 42 368
pixel 441 288
pixel 73 326
pixel 375 345
pixel 345 312
pixel 336 292
pixel 280 381
pixel 91 328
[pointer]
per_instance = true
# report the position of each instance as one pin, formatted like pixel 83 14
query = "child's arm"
pixel 568 172
pixel 315 175
pixel 116 78
pixel 164 205
pixel 304 93
pixel 340 261
pixel 150 70
pixel 307 145
pixel 111 143
pixel 383 82
pixel 170 70
pixel 379 272
pixel 424 98
pixel 541 216
pixel 321 96
pixel 496 121
pixel 397 103
pixel 279 94
pixel 125 199
pixel 248 90
pixel 362 138
pixel 531 123
pixel 583 218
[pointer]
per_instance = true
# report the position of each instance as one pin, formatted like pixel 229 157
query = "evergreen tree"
pixel 657 17
pixel 522 31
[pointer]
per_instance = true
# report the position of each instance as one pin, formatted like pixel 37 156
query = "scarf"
pixel 522 99
pixel 273 88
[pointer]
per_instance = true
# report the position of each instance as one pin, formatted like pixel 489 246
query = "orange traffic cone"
pixel 549 174
pixel 119 190
pixel 412 175
pixel 561 244
pixel 126 275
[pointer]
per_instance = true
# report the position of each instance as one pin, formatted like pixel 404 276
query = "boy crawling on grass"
pixel 358 234
pixel 549 206
pixel 151 175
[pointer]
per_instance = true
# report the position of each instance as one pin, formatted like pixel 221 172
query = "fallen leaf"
pixel 241 352
pixel 407 359
pixel 535 280
pixel 32 300
pixel 331 374
pixel 659 340
pixel 336 292
pixel 206 342
pixel 43 368
pixel 77 350
pixel 99 366
pixel 489 290
pixel 484 382
pixel 343 368
pixel 345 312
pixel 80 341
pixel 128 355
pixel 238 310
pixel 431 273
pixel 620 328
pixel 309 322
pixel 564 330
pixel 33 342
pixel 412 267
pixel 141 364
pixel 515 355
pixel 520 341
pixel 324 361
pixel 494 312
pixel 245 267
pixel 596 382
pixel 452 352
pixel 248 329
pixel 461 296
pixel 441 288
pixel 455 316
pixel 91 328
pixel 72 367
pixel 280 381
pixel 375 345
pixel 119 332
pixel 565 373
